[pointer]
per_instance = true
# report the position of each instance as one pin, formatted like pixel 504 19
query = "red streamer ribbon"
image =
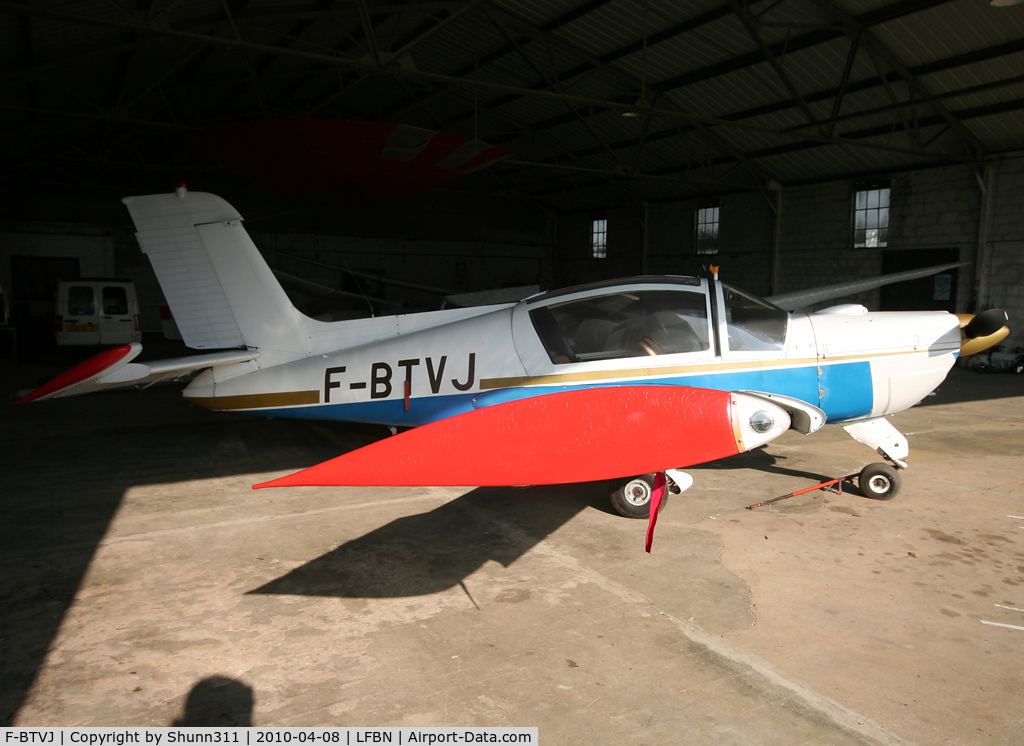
pixel 657 493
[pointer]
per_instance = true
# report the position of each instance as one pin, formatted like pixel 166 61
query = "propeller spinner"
pixel 981 331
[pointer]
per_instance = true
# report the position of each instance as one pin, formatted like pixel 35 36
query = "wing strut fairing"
pixel 571 436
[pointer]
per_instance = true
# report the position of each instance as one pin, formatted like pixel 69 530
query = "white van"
pixel 97 312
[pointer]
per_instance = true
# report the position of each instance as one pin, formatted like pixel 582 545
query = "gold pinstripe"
pixel 257 401
pixel 601 375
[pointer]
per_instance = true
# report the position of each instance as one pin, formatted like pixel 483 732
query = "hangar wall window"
pixel 871 215
pixel 599 238
pixel 707 229
pixel 622 325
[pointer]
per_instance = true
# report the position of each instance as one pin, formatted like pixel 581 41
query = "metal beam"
pixel 990 53
pixel 880 131
pixel 917 101
pixel 813 38
pixel 100 117
pixel 838 105
pixel 963 114
pixel 398 111
pixel 893 60
pixel 631 80
pixel 672 32
pixel 424 32
pixel 748 23
pixel 448 79
pixel 810 39
pixel 376 20
pixel 439 26
pixel 626 176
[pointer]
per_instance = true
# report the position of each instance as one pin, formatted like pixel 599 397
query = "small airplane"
pixel 642 376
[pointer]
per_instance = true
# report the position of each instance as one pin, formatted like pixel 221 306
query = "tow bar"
pixel 821 486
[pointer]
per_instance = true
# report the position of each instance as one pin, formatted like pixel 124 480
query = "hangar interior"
pixel 791 143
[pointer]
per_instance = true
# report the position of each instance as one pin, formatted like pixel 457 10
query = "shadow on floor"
pixel 218 701
pixel 67 466
pixel 431 552
pixel 758 459
pixel 962 385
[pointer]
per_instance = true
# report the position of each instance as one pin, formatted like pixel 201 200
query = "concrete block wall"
pixel 744 240
pixel 937 209
pixel 489 244
pixel 815 240
pixel 574 264
pixel 746 224
pixel 92 247
pixel 457 266
pixel 1006 276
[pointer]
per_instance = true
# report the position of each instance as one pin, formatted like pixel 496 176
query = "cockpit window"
pixel 754 324
pixel 622 325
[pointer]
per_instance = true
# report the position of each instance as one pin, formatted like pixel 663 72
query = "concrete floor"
pixel 144 583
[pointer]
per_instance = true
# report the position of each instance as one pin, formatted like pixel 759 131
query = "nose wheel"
pixel 879 481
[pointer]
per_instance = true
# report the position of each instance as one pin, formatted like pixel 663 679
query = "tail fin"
pixel 219 287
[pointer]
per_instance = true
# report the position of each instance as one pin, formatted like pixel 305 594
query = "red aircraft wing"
pixel 570 436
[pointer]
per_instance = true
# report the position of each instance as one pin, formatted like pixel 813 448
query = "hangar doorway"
pixel 34 287
pixel 936 293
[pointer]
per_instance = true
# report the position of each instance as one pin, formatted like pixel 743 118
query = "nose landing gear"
pixel 879 481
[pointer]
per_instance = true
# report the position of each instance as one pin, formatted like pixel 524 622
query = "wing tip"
pixel 85 370
pixel 289 480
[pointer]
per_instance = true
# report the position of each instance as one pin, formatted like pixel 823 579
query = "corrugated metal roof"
pixel 85 79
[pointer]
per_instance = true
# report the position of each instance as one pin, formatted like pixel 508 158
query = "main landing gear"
pixel 631 497
pixel 880 481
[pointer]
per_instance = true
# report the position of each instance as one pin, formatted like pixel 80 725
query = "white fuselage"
pixel 410 370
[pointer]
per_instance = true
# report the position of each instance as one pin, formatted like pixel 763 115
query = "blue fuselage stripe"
pixel 847 393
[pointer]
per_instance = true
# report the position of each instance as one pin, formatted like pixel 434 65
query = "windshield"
pixel 753 324
pixel 623 325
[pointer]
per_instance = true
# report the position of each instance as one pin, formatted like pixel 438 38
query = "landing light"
pixel 761 422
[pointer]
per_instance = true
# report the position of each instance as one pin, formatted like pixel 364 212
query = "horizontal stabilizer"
pixel 802 298
pixel 113 369
pixel 569 436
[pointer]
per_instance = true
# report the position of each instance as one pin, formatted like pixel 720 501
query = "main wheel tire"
pixel 879 481
pixel 632 497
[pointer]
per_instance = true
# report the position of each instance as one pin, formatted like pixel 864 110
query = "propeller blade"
pixel 570 436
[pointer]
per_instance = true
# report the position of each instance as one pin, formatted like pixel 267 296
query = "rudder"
pixel 219 287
